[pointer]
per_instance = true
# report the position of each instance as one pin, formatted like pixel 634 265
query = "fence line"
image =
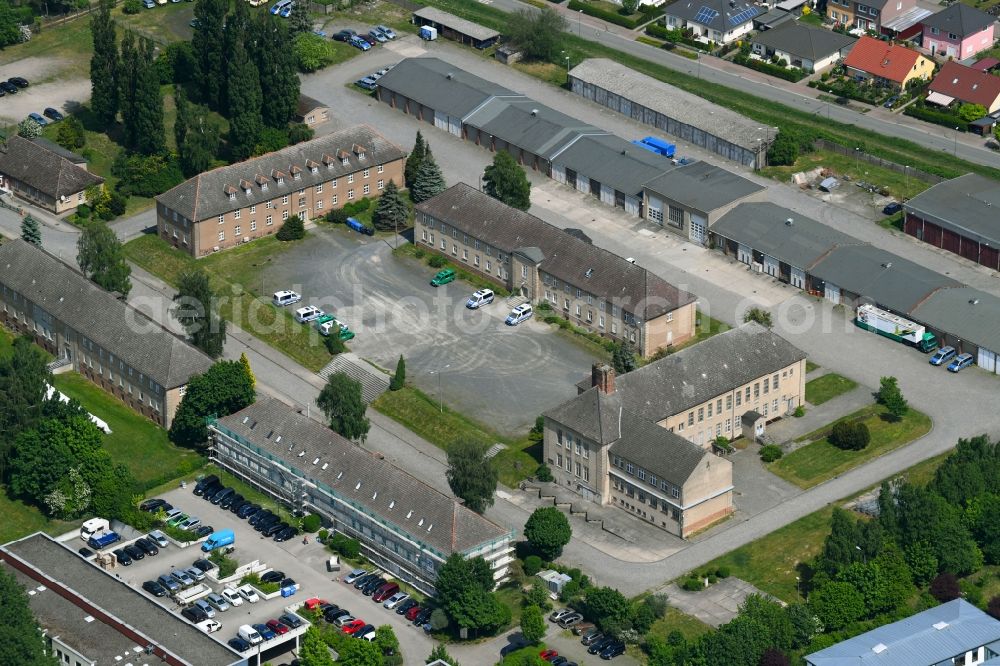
pixel 823 144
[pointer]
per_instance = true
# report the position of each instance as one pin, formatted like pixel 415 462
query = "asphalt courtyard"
pixel 470 358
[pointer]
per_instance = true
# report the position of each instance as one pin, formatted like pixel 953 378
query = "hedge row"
pixel 936 117
pixel 614 17
pixel 793 74
pixel 673 36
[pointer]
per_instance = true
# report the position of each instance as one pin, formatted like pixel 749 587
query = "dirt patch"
pixel 65 95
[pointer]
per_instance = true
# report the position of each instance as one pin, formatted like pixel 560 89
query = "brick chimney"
pixel 602 376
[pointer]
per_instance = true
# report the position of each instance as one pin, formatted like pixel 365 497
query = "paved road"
pixel 969 147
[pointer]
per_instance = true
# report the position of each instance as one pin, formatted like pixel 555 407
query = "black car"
pixel 239 644
pixel 228 501
pixel 422 617
pixel 204 483
pixel 327 607
pixel 209 491
pixel 613 649
pixel 892 208
pixel 344 35
pixel 369 589
pixel 123 558
pixel 203 531
pixel 194 614
pixel 135 552
pixel 271 576
pixel 85 553
pixel 259 516
pixel 203 565
pixel 151 504
pixel 286 534
pixel 247 510
pixel 236 506
pixel 8 87
pixel 222 494
pixel 147 546
pixel 598 647
pixel 405 606
pixel 287 582
pixel 364 580
pixel 336 615
pixel 267 523
pixel 360 633
pixel 18 81
pixel 154 588
pixel 290 620
pixel 54 114
pixel 274 528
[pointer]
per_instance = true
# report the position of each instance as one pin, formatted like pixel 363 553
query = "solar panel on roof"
pixel 706 14
pixel 744 16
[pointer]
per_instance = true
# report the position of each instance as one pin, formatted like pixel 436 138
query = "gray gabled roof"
pixel 934 636
pixel 564 256
pixel 88 583
pixel 960 19
pixel 765 227
pixel 703 371
pixel 703 186
pixel 721 15
pixel 963 312
pixel 83 306
pixel 45 170
pixel 442 86
pixel 804 41
pixel 612 161
pixel 208 194
pixel 527 124
pixel 888 279
pixel 460 25
pixel 970 203
pixel 392 495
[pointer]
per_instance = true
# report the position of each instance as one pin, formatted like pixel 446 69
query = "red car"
pixel 548 655
pixel 353 626
pixel 277 627
pixel 314 603
pixel 411 614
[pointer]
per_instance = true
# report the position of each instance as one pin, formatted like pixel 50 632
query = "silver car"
pixel 195 573
pixel 205 606
pixel 182 577
pixel 218 602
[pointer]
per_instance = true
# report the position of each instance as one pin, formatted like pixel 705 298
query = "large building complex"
pixel 235 204
pixel 91 618
pixel 404 525
pixel 113 345
pixel 643 441
pixel 591 287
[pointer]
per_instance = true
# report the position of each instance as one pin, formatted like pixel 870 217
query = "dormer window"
pixel 297 175
pixel 314 169
pixel 232 196
pixel 344 161
pixel 263 186
pixel 359 151
pixel 281 180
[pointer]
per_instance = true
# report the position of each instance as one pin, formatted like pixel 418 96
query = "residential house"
pixel 719 21
pixel 956 82
pixel 113 345
pixel 311 111
pixel 959 31
pixel 956 632
pixel 44 176
pixel 643 441
pixel 886 64
pixel 804 46
pixel 868 15
pixel 234 204
pixel 592 287
pixel 404 525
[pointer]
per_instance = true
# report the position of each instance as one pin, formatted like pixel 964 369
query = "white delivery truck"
pixel 250 635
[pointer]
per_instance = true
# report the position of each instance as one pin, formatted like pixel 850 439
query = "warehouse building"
pixel 961 215
pixel 404 525
pixel 673 111
pixel 458 29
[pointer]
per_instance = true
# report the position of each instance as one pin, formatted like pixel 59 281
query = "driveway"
pixel 715 605
pixel 500 375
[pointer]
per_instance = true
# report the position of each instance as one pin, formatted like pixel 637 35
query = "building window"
pixel 302 202
pixel 350 178
pixel 365 173
pixel 253 225
pixel 676 217
pixel 379 168
pixel 774 381
pixel 559 460
pixel 333 200
pixel 222 219
pixel 350 195
pixel 690 418
pixel 367 188
pixel 239 231
pixel 284 200
pixel 284 215
pixel 333 183
pixel 381 184
pixel 729 424
pixel 253 209
pixel 656 215
pixel 767 385
pixel 756 390
pixel 270 204
pixel 270 220
pixel 237 213
pixel 222 235
pixel 319 188
pixel 319 204
pixel 739 398
pixel 701 414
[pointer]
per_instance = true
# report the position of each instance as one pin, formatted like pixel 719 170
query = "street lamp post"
pixel 439 372
pixel 956 142
pixel 906 176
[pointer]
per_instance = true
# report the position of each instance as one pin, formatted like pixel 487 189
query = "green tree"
pixel 299 22
pixel 30 230
pixel 505 180
pixel 104 65
pixel 971 470
pixel 196 312
pixel 398 380
pixel 532 624
pixel 10 26
pixel 891 396
pixel 299 132
pixel 547 531
pixel 70 134
pixel 21 642
pixel 29 129
pixel 922 561
pixel 850 435
pixel 358 653
pixel 344 407
pixel 245 362
pixel 182 118
pixel 630 6
pixel 623 358
pixel 276 68
pixel 982 515
pixel 608 608
pixel 100 256
pixel 386 641
pixel 538 33
pixel 147 123
pixel 128 83
pixel 201 144
pixel 40 459
pixel 759 315
pixel 313 650
pixel 970 112
pixel 471 475
pixel 208 44
pixel 292 229
pixel 440 652
pixel 464 587
pixel 392 211
pixel 221 390
pixel 428 182
pixel 538 594
pixel 245 104
pixel 840 546
pixel 24 376
pixel 313 52
pixel 480 611
pixel 784 150
pixel 837 604
pixel 413 160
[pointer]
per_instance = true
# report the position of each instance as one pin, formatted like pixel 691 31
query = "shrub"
pixel 605 15
pixel 338 216
pixel 944 118
pixel 227 565
pixel 799 412
pixel 83 211
pixel 359 206
pixel 570 590
pixel 793 74
pixel 770 453
pixel 784 151
pixel 945 587
pixel 436 261
pixel 312 52
pixel 334 345
pixel 311 523
pixel 712 580
pixel 323 534
pixel 532 565
pixel 292 229
pixel 345 545
pixel 131 7
pixel 993 607
pixel 693 584
pixel 722 572
pixel 543 473
pixel 850 436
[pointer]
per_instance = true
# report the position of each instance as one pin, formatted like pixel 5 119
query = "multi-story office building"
pixel 404 525
pixel 643 441
pixel 113 345
pixel 590 286
pixel 235 204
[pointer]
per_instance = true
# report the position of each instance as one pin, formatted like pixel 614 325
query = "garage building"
pixel 458 29
pixel 672 110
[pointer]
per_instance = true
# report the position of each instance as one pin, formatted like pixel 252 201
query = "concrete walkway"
pixel 715 605
pixel 789 429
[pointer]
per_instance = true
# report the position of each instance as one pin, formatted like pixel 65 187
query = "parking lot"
pixel 469 357
pixel 305 563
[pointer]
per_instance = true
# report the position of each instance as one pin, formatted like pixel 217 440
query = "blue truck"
pixel 103 539
pixel 359 226
pixel 658 146
pixel 218 540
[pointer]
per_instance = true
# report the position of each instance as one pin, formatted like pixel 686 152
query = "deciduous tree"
pixel 440 652
pixel 313 650
pixel 220 391
pixel 532 624
pixel 429 181
pixel 608 608
pixel 100 256
pixel 196 312
pixel 505 180
pixel 386 641
pixel 392 211
pixel 538 33
pixel 104 65
pixel 201 144
pixel 759 315
pixel 21 642
pixel 837 604
pixel 344 407
pixel 547 531
pixel 70 134
pixel 147 123
pixel 891 396
pixel 358 653
pixel 276 67
pixel 29 129
pixel 471 475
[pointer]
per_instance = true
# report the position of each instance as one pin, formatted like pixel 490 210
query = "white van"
pixel 519 314
pixel 250 635
pixel 285 297
pixel 479 299
pixel 93 526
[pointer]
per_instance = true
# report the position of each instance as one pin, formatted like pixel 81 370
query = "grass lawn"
pixel 812 18
pixel 135 441
pixel 821 460
pixel 673 620
pixel 69 42
pixel 810 366
pixel 424 416
pixel 20 519
pixel 236 274
pixel 900 186
pixel 827 387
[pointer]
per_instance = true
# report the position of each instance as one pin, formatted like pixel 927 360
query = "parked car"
pixel 261 516
pixel 248 510
pixel 190 523
pixel 892 208
pixel 159 538
pixel 395 600
pixel 422 617
pixel 368 83
pixel 222 494
pixel 236 506
pixel 591 637
pixel 370 40
pixel 272 576
pixel 149 4
pixel 943 355
pixel 151 504
pixel 155 588
pixel 386 30
pixel 182 577
pixel 285 297
pixel 122 556
pixel 218 602
pixel 377 36
pixel 177 519
pixel 354 575
pixel 277 627
pixel 278 6
pixel 364 630
pixel 412 613
pixel 168 582
pixel 194 614
pixel 286 11
pixel 195 573
pixel 239 644
pixel 231 596
pixel 613 650
pixel 569 620
pixel 248 593
pixel 265 633
pixel 204 482
pixel 584 628
pixel 307 313
pixel 8 87
pixel 548 655
pixel 37 117
pixel 479 299
pixel 344 620
pixel 383 592
pixel 598 646
pixel 205 607
pixel 889 103
pixel 344 35
pixel 961 362
pixel 290 620
pixel 147 546
pixel 203 531
pixel 352 626
pixel 19 81
pixel 228 501
pixel 443 277
pixel 404 607
pixel 286 534
pixel 359 43
pixel 85 552
pixel 334 616
pixel 369 589
pixel 520 313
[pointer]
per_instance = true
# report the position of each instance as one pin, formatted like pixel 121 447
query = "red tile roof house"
pixel 965 84
pixel 960 31
pixel 886 64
